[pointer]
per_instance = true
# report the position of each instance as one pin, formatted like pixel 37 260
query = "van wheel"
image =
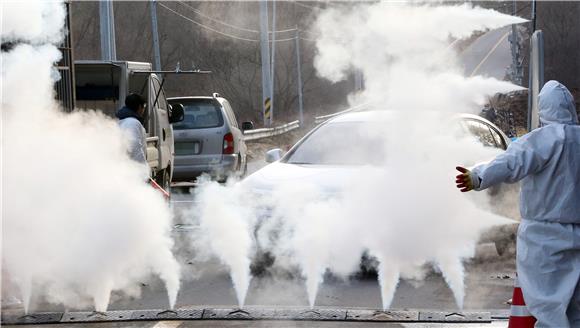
pixel 163 179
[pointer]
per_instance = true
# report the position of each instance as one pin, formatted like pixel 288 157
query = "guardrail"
pixel 270 132
pixel 323 118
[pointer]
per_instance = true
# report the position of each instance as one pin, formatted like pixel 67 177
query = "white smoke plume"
pixel 412 213
pixel 78 219
pixel 406 212
pixel 225 219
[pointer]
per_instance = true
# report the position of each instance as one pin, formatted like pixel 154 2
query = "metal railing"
pixel 270 132
pixel 324 118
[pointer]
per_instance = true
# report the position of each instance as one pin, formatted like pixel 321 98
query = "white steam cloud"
pixel 79 222
pixel 406 213
pixel 226 220
pixel 78 219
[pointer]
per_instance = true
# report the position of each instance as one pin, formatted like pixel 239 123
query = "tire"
pixel 163 180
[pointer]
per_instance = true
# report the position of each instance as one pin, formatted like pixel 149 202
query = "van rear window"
pixel 199 115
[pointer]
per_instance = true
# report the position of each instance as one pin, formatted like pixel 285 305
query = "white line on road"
pixel 489 54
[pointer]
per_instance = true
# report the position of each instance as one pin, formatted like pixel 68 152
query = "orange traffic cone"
pixel 158 187
pixel 520 317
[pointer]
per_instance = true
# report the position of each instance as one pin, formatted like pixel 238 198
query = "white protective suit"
pixel 547 160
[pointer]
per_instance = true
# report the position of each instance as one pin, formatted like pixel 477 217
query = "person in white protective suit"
pixel 547 160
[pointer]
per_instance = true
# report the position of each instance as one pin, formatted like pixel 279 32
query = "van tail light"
pixel 228 144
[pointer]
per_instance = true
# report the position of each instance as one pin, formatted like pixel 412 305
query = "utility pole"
pixel 516 69
pixel 156 51
pixel 272 66
pixel 536 77
pixel 533 16
pixel 299 79
pixel 107 27
pixel 265 54
pixel 358 80
pixel 535 71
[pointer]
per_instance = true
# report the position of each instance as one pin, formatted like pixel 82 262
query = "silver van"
pixel 208 140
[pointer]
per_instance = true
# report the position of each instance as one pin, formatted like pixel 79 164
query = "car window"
pixel 498 138
pixel 482 132
pixel 199 114
pixel 347 143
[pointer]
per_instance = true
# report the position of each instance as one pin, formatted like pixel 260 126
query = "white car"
pixel 332 153
pixel 326 158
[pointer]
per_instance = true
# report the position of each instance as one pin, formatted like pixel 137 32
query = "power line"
pixel 283 31
pixel 216 20
pixel 230 25
pixel 207 27
pixel 218 31
pixel 306 6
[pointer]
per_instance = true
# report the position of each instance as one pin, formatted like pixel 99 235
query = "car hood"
pixel 330 179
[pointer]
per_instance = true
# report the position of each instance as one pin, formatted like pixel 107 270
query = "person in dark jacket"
pixel 131 122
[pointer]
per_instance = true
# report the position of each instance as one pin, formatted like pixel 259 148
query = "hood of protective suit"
pixel 556 105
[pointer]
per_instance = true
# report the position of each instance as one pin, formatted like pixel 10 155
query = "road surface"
pixel 489 55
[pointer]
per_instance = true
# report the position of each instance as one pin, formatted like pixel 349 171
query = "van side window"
pixel 162 101
pixel 138 83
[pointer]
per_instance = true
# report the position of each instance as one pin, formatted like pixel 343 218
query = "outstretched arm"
pixel 526 156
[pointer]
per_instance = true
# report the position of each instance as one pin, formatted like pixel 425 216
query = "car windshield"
pixel 345 143
pixel 199 114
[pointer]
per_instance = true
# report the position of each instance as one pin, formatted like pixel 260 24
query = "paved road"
pixel 489 55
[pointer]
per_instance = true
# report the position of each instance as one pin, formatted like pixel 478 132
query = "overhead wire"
pixel 217 20
pixel 224 33
pixel 230 25
pixel 207 27
pixel 306 6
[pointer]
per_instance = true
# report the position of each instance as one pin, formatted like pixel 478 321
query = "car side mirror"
pixel 176 113
pixel 273 155
pixel 247 126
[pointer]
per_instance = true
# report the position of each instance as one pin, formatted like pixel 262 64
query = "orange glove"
pixel 466 181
